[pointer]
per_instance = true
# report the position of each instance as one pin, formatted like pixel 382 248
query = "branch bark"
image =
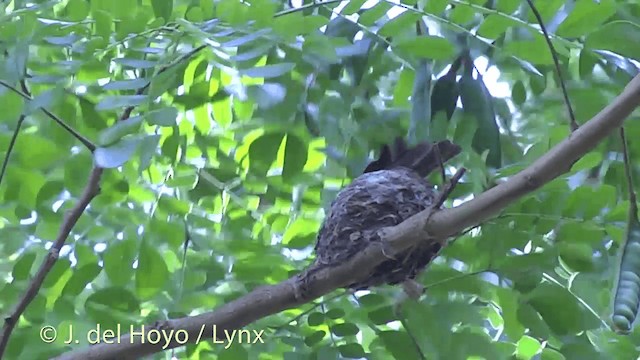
pixel 268 300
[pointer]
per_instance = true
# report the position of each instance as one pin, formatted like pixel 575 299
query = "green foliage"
pixel 225 127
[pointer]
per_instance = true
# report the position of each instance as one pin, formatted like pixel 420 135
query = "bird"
pixel 391 189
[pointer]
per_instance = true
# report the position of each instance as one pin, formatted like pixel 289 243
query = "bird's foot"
pixel 300 288
pixel 387 251
pixel 301 284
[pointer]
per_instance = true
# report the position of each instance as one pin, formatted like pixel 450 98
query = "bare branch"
pixel 272 299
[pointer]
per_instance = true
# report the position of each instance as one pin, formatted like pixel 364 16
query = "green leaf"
pixel 495 25
pixel 148 148
pixel 162 9
pixel 535 51
pixel 382 315
pixel 117 154
pixel 36 312
pixel 398 25
pixel 118 261
pixel 120 101
pixel 116 132
pixel 244 40
pixel 399 344
pixel 561 310
pixel 84 255
pixel 80 278
pixel 22 267
pixel 108 306
pixel 341 27
pixel 353 351
pixel 237 352
pixel 37 152
pixel 430 47
pixel 519 93
pixel 301 233
pixel 163 81
pixel 352 7
pixel 295 157
pixel 550 354
pixel 57 274
pixel 162 117
pixel 420 123
pixel 267 95
pixel 476 102
pixel 467 344
pixel 372 300
pixel 335 313
pixel 586 17
pixel 77 10
pixel 345 329
pixel 614 37
pixel 46 99
pixel 172 205
pixel 268 71
pixel 508 302
pixel 527 347
pixel 315 318
pixel 374 13
pixel 314 338
pixel 263 151
pixel 135 63
pixel 152 273
pixel 131 84
pixel 320 49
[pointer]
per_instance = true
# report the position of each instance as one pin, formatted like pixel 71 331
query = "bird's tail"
pixel 422 158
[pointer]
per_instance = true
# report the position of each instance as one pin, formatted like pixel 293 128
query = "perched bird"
pixel 391 189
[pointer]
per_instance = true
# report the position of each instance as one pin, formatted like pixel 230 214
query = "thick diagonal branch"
pixel 269 300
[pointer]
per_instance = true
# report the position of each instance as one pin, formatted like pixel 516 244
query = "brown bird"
pixel 391 189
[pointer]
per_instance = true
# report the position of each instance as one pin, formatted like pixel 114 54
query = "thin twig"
pixel 306 7
pixel 572 118
pixel 88 144
pixel 444 195
pixel 456 277
pixel 415 342
pixel 324 312
pixel 127 111
pixel 12 143
pixel 312 308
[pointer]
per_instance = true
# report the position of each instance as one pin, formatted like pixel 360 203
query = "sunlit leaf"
pixel 152 272
pixel 117 154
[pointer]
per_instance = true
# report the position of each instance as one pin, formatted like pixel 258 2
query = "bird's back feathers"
pixel 422 158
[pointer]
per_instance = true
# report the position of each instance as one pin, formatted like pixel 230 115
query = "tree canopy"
pixel 167 164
